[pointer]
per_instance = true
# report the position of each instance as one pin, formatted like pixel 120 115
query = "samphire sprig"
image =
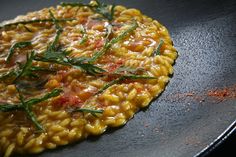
pixel 52 54
pixel 15 46
pixel 3 25
pixel 94 112
pixel 124 73
pixel 62 59
pixel 106 11
pixel 59 30
pixel 123 78
pixel 56 55
pixel 158 49
pixel 84 35
pixel 113 41
pixel 24 70
pixel 27 105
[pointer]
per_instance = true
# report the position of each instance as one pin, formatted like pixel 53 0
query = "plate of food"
pixel 106 78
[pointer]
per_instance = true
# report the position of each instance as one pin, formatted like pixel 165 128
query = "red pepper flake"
pixel 217 93
pixel 139 90
pixel 112 66
pixel 68 101
pixel 221 94
pixel 82 20
pixel 146 125
pixel 98 43
pixel 189 94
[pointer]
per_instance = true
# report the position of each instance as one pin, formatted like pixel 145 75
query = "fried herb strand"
pixel 15 46
pixel 26 106
pixel 75 4
pixel 132 27
pixel 26 68
pixel 62 59
pixel 89 68
pixel 34 21
pixel 84 36
pixel 122 78
pixel 27 28
pixel 158 49
pixel 86 110
pixel 57 56
pixel 108 44
pixel 108 31
pixel 59 29
pixel 107 11
pixel 8 74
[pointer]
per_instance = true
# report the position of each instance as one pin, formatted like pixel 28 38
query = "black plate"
pixel 203 31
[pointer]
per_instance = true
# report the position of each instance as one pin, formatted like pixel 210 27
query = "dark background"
pixel 227 148
pixel 204 33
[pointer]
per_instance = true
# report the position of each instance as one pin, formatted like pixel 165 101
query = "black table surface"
pixel 227 147
pixel 204 33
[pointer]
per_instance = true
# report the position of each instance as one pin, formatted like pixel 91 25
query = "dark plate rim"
pixel 218 141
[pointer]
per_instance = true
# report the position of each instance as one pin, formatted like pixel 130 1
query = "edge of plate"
pixel 218 141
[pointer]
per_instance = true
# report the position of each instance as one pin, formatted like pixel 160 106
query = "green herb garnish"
pixel 94 112
pixel 33 21
pixel 107 11
pixel 27 28
pixel 54 55
pixel 86 110
pixel 26 69
pixel 132 27
pixel 87 67
pixel 8 74
pixel 108 44
pixel 26 106
pixel 32 87
pixel 108 31
pixel 84 36
pixel 59 29
pixel 15 46
pixel 158 50
pixel 123 78
pixel 75 4
pixel 63 59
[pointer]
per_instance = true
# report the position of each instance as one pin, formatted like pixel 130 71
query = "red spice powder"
pixel 193 95
pixel 68 101
pixel 189 94
pixel 220 94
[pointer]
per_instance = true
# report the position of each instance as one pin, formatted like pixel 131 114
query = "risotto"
pixel 74 70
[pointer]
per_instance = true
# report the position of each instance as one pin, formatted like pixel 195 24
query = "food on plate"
pixel 74 70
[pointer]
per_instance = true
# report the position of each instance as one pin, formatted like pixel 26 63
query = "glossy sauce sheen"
pixel 119 102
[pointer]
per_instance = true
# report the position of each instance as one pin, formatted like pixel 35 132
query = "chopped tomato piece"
pixel 99 43
pixel 139 90
pixel 114 65
pixel 68 101
pixel 85 95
